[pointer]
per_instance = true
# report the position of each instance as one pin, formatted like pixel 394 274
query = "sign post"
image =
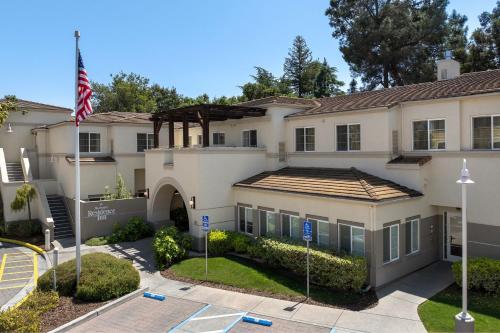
pixel 205 227
pixel 307 238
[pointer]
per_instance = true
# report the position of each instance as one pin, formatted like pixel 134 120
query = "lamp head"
pixel 465 175
pixel 9 129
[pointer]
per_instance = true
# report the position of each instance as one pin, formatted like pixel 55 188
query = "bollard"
pixel 55 261
pixel 47 240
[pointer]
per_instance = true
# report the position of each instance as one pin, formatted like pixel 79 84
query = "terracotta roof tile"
pixel 349 184
pixel 281 100
pixel 29 105
pixel 464 85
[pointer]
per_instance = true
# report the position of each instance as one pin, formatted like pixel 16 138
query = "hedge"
pixel 103 277
pixel 326 269
pixel 482 274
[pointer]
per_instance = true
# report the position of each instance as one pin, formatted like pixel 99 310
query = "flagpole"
pixel 77 168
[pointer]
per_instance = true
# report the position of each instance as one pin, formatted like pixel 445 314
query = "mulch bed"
pixel 68 309
pixel 369 301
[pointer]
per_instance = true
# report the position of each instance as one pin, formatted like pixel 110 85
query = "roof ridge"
pixel 367 187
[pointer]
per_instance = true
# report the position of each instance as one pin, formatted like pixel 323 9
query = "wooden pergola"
pixel 202 114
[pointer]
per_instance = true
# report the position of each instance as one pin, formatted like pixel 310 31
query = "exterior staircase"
pixel 15 172
pixel 62 226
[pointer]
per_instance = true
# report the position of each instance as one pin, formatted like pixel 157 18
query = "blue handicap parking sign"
pixel 205 223
pixel 307 231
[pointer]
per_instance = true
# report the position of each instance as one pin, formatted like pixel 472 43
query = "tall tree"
pixel 353 87
pixel 7 105
pixel 456 37
pixel 299 58
pixel 265 84
pixel 126 93
pixel 484 48
pixel 387 42
pixel 326 83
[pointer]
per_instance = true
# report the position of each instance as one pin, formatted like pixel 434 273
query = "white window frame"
pixel 428 135
pixel 348 142
pixel 88 134
pixel 267 220
pixel 219 144
pixel 305 141
pixel 350 235
pixel 411 235
pixel 317 227
pixel 243 137
pixel 491 132
pixel 246 220
pixel 281 221
pixel 390 243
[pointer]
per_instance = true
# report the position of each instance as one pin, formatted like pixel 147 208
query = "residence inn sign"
pixel 101 212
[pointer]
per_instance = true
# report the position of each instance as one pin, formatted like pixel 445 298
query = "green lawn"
pixel 438 313
pixel 246 274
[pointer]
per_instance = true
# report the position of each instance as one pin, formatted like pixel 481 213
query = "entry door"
pixel 454 236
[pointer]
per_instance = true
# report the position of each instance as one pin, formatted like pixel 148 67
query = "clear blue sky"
pixel 197 46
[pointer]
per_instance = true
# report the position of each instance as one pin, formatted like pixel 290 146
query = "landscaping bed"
pixel 247 276
pixel 68 309
pixel 438 313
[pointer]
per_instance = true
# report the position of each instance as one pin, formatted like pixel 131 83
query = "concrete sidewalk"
pixel 395 312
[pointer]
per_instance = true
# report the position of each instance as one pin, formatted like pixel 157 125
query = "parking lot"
pixel 183 316
pixel 18 268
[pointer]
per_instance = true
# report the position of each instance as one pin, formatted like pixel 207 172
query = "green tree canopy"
pixel 456 37
pixel 387 42
pixel 7 105
pixel 296 65
pixel 24 194
pixel 265 84
pixel 325 80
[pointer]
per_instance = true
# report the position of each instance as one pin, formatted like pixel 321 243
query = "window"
pixel 486 132
pixel 349 137
pixel 144 141
pixel 90 142
pixel 290 226
pixel 304 139
pixel 267 223
pixel 412 235
pixel 323 232
pixel 249 138
pixel 190 140
pixel 352 240
pixel 200 139
pixel 429 135
pixel 245 219
pixel 219 138
pixel 391 243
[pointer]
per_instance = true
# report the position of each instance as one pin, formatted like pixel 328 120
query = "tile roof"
pixel 281 100
pixel 29 105
pixel 350 184
pixel 401 159
pixel 464 85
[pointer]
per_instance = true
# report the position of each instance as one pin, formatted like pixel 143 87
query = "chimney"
pixel 447 68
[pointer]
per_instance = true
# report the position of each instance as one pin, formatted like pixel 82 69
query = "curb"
pixel 28 245
pixel 99 311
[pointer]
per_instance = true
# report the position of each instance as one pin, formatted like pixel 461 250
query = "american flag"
pixel 84 107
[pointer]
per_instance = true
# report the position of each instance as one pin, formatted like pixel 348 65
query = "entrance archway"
pixel 169 206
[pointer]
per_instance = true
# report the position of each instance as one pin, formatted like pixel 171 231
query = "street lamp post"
pixel 464 321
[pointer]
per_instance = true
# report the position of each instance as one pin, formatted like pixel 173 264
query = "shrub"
pixel 482 274
pixel 219 242
pixel 24 228
pixel 240 242
pixel 27 317
pixel 327 270
pixel 170 246
pixel 134 230
pixel 103 277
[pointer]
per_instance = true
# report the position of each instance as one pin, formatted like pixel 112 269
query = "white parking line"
pixel 220 316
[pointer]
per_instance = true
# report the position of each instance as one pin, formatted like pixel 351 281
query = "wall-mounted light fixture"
pixel 192 202
pixel 9 129
pixel 146 193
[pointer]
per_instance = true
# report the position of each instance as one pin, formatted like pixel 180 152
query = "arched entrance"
pixel 169 206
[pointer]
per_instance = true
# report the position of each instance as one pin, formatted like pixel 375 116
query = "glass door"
pixel 454 236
